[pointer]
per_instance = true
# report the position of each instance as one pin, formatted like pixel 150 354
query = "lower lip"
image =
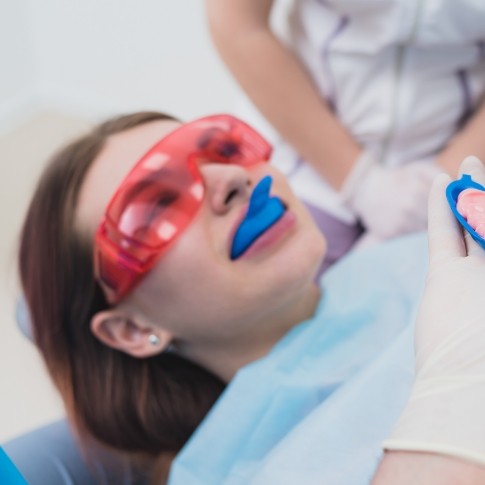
pixel 272 235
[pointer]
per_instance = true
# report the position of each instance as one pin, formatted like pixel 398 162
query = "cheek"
pixel 188 279
pixel 197 307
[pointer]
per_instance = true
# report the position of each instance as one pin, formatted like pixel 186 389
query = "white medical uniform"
pixel 401 75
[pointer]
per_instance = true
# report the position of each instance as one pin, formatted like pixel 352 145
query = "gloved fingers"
pixel 474 167
pixel 431 174
pixel 426 172
pixel 445 238
pixel 394 201
pixel 472 248
pixel 429 171
pixel 420 193
pixel 406 214
pixel 414 209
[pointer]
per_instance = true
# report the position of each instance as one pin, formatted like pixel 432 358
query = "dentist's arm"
pixel 280 87
pixel 283 91
pixel 468 141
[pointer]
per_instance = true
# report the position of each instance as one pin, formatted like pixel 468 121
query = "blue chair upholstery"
pixel 51 455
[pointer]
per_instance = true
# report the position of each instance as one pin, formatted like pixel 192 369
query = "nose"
pixel 226 185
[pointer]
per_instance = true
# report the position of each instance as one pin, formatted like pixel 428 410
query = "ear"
pixel 129 335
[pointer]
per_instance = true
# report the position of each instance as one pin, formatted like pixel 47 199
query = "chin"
pixel 315 251
pixel 300 262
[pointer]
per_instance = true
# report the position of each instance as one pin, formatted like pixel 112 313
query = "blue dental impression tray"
pixel 263 212
pixel 452 192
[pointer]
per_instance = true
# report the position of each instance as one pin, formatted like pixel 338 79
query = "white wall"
pixel 17 68
pixel 93 58
pixel 103 56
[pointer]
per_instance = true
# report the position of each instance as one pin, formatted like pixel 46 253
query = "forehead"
pixel 111 166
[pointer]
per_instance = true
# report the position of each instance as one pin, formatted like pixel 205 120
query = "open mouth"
pixel 263 212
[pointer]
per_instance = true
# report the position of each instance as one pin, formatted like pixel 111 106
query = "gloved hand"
pixel 446 411
pixel 389 201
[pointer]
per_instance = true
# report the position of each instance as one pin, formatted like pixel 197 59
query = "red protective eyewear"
pixel 161 195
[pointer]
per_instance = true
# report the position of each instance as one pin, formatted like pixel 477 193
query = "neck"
pixel 228 357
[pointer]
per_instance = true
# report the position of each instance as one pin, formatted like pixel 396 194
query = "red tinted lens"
pixel 161 195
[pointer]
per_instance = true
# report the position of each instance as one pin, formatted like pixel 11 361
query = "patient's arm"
pixel 404 468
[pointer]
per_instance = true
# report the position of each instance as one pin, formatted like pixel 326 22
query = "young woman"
pixel 162 261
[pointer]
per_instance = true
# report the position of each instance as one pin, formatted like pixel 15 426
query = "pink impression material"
pixel 471 205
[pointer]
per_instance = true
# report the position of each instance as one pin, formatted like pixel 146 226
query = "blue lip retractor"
pixel 452 192
pixel 263 212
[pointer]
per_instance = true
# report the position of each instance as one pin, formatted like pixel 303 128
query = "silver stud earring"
pixel 153 339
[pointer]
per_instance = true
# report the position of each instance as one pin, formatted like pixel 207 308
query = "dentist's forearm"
pixel 470 140
pixel 280 87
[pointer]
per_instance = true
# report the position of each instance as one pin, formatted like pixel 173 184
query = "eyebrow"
pixel 145 182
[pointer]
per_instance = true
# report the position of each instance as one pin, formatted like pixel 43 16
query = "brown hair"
pixel 147 405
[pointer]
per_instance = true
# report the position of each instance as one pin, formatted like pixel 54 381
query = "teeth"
pixel 260 196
